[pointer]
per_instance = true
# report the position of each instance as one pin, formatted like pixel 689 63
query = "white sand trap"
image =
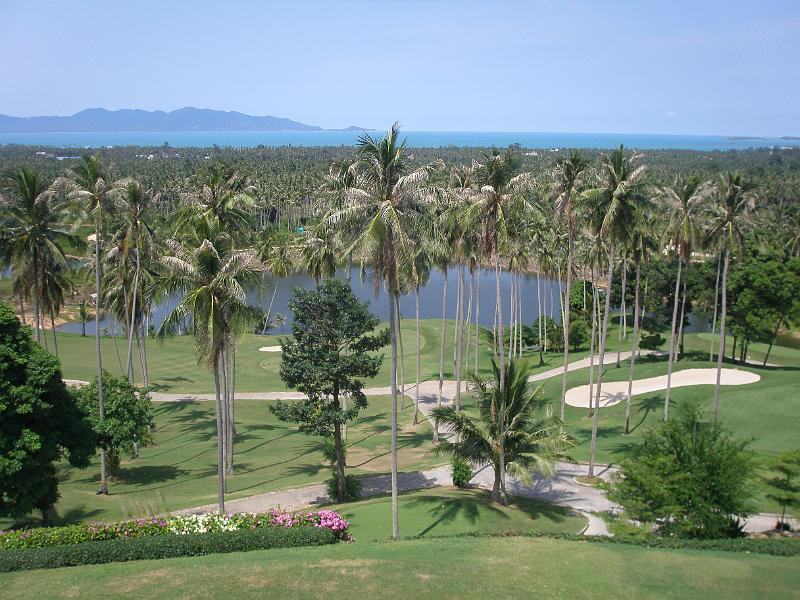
pixel 269 349
pixel 616 391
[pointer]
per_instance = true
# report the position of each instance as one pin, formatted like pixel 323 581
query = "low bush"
pixel 160 526
pixel 352 487
pixel 163 546
pixel 461 472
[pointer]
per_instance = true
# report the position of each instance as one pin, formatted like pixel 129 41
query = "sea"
pixel 418 139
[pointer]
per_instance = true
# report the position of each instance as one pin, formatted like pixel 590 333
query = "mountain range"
pixel 183 119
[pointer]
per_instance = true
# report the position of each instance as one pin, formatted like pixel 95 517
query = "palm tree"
pixel 734 202
pixel 211 279
pixel 684 201
pixel 643 244
pixel 383 210
pixel 219 191
pixel 95 193
pixel 137 239
pixel 422 270
pixel 488 216
pixel 513 417
pixel 612 208
pixel 33 236
pixel 568 179
pixel 318 252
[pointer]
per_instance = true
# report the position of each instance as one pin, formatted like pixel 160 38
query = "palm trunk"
pixel 468 323
pixel 441 354
pixel 634 346
pixel 502 432
pixel 671 358
pixel 622 309
pixel 721 353
pixel 714 320
pixel 565 326
pixel 100 400
pixel 393 379
pixel 416 387
pixel 269 310
pixel 591 343
pixel 511 316
pixel 459 336
pixel 772 341
pixel 477 316
pixel 679 350
pixel 143 360
pixel 601 360
pixel 220 440
pixel 402 356
pixel 53 328
pixel 539 315
pixel 37 298
pixel 643 312
pixel 132 322
pixel 225 415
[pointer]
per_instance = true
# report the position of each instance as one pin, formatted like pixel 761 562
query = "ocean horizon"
pixel 418 139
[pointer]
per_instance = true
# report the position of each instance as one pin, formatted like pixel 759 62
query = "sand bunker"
pixel 616 391
pixel 269 349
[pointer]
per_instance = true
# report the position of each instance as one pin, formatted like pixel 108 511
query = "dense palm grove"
pixel 665 233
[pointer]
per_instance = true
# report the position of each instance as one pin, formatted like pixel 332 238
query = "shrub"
pixel 689 477
pixel 156 526
pixel 462 472
pixel 163 546
pixel 352 487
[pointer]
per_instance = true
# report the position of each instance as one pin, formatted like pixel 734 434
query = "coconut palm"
pixel 730 215
pixel 319 249
pixel 530 436
pixel 684 202
pixel 220 192
pixel 95 193
pixel 211 279
pixel 32 235
pixel 383 210
pixel 643 244
pixel 500 196
pixel 612 207
pixel 568 178
pixel 138 243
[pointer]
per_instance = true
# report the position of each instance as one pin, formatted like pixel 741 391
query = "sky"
pixel 602 66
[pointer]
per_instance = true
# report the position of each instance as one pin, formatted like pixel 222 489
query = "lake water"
pixel 434 139
pixel 430 298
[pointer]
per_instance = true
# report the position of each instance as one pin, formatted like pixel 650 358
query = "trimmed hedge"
pixel 163 546
pixel 772 546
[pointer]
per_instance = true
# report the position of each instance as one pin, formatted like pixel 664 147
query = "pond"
pixel 430 297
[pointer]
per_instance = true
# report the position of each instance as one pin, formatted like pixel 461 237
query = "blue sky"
pixel 670 66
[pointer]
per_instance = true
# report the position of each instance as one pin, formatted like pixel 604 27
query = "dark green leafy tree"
pixel 786 484
pixel 40 423
pixel 128 416
pixel 333 347
pixel 689 476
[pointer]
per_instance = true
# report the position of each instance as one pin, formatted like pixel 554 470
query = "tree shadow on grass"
pixel 647 406
pixel 160 387
pixel 149 474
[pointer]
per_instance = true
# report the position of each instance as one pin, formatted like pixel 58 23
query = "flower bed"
pixel 191 524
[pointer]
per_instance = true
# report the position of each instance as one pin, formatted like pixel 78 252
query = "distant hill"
pixel 183 119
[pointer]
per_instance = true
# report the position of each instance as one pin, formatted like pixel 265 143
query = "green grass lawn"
pixel 173 367
pixel 451 511
pixel 179 471
pixel 504 567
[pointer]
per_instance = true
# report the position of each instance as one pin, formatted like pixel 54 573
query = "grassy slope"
pixel 434 568
pixel 452 511
pixel 179 470
pixel 173 367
